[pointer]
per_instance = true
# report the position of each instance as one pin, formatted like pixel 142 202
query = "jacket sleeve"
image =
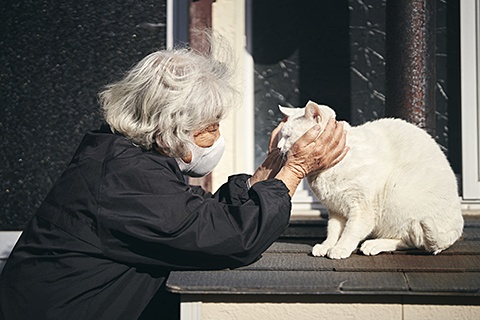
pixel 160 221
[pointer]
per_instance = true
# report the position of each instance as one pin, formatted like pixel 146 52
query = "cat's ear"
pixel 312 111
pixel 287 111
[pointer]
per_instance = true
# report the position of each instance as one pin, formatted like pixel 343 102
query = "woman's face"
pixel 204 138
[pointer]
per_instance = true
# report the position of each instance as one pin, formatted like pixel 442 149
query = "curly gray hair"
pixel 166 97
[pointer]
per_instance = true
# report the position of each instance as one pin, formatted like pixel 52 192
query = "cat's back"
pixel 397 136
pixel 393 149
pixel 408 159
pixel 392 128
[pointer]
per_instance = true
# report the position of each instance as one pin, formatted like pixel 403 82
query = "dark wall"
pixel 367 47
pixel 55 57
pixel 333 52
pixel 301 52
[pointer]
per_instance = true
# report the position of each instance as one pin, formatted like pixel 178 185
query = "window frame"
pixel 470 91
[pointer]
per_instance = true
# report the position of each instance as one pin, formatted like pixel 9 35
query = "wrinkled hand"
pixel 274 161
pixel 314 152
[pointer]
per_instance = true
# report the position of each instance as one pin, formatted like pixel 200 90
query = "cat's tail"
pixel 431 236
pixel 424 234
pixel 435 241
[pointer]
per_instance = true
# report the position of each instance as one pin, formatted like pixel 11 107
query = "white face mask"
pixel 204 160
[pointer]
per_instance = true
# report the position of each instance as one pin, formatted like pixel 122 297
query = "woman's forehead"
pixel 213 126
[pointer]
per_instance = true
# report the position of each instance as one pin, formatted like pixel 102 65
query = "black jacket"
pixel 118 220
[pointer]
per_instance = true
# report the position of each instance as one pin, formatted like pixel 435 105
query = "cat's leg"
pixel 336 223
pixel 375 246
pixel 358 226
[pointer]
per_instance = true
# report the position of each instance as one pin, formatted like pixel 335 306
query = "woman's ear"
pixel 159 142
pixel 160 146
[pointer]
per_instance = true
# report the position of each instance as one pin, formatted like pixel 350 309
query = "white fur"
pixel 395 186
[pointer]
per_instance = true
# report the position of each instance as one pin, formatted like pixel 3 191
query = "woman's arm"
pixel 160 222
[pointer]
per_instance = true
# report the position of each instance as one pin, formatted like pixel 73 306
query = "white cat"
pixel 395 186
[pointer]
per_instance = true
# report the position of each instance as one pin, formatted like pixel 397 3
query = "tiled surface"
pixel 288 268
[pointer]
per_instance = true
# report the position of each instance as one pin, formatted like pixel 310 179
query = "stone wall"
pixel 55 57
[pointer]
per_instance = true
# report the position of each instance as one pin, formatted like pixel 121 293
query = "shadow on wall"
pixel 301 52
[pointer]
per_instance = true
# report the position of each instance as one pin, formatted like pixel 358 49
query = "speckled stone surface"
pixel 55 57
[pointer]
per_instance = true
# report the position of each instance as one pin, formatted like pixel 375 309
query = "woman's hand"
pixel 274 161
pixel 314 152
pixel 311 153
pixel 274 136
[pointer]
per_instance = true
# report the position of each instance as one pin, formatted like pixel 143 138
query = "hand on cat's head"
pixel 316 151
pixel 311 139
pixel 300 120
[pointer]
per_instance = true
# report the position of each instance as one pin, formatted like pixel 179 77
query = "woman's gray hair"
pixel 166 97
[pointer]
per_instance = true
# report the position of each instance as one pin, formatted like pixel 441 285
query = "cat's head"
pixel 300 120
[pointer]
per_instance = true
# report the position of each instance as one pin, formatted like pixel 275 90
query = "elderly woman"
pixel 121 216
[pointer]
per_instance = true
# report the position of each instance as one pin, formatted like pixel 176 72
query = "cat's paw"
pixel 339 253
pixel 371 248
pixel 376 246
pixel 320 250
